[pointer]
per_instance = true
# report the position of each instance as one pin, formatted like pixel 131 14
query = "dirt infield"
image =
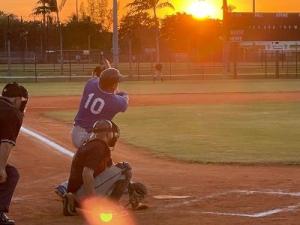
pixel 220 194
pixel 71 102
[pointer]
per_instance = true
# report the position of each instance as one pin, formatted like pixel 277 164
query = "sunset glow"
pixel 214 8
pixel 202 9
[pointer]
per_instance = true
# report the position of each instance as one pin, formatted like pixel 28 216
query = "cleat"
pixel 61 190
pixel 69 205
pixel 4 220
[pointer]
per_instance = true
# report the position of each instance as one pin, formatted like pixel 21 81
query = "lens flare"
pixel 100 211
pixel 106 217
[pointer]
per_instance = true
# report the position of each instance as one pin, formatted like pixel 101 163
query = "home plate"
pixel 166 197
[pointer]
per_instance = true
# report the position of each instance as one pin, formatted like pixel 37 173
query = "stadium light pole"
pixel 8 46
pixel 115 34
pixel 226 47
pixel 60 39
pixel 77 13
pixel 254 6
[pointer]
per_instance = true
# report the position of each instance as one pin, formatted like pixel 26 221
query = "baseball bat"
pixel 107 63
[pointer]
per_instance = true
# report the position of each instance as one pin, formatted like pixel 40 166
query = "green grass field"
pixel 170 87
pixel 250 133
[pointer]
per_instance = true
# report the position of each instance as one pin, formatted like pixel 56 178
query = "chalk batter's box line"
pixel 291 208
pixel 47 141
pixel 212 196
pixel 259 214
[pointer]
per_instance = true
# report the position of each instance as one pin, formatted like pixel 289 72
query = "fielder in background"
pixel 12 106
pixel 158 73
pixel 93 172
pixel 100 100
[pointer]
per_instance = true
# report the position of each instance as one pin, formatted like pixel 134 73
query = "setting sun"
pixel 202 9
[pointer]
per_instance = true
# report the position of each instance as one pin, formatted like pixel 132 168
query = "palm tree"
pixel 154 6
pixel 44 10
pixel 133 28
pixel 46 7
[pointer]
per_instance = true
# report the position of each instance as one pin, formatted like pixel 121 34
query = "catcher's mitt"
pixel 137 193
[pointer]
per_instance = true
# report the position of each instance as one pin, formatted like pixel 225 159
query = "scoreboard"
pixel 262 26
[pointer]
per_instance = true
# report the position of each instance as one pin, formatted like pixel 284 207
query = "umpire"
pixel 12 106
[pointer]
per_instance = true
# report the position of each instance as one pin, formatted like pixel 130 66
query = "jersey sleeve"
pixel 10 128
pixel 85 90
pixel 123 102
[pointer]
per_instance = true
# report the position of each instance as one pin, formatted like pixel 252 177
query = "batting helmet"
pixel 110 77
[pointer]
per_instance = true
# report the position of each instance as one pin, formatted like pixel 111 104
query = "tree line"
pixel 141 32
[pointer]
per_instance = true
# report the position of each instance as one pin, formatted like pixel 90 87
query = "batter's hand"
pixel 3 176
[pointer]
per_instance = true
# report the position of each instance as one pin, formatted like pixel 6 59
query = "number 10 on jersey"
pixel 95 105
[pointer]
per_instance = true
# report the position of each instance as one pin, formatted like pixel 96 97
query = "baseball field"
pixel 210 152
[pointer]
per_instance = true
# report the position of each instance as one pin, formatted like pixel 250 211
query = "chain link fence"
pixel 243 63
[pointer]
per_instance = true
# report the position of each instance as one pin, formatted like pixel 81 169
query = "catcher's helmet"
pixel 107 126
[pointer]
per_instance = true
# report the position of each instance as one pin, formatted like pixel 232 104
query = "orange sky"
pixel 24 7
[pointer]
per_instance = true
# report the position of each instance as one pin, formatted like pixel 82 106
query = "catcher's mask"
pixel 107 126
pixel 13 90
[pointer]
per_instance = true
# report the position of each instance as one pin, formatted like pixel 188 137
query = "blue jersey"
pixel 97 104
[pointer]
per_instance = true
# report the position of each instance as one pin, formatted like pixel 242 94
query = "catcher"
pixel 93 172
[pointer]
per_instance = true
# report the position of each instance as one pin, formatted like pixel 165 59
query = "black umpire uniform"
pixel 11 118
